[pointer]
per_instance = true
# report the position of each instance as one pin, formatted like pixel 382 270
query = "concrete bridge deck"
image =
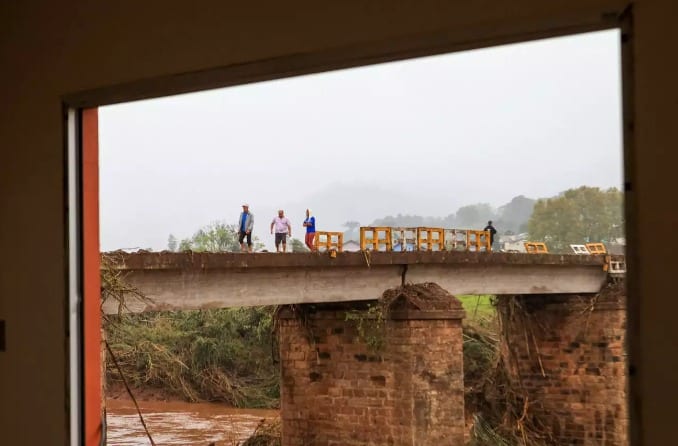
pixel 187 280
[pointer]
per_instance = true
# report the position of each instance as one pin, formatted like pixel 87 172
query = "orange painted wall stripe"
pixel 92 279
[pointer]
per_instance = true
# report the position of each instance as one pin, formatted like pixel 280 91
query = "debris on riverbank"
pixel 207 355
pixel 268 433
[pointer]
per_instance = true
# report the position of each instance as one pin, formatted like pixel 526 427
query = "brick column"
pixel 338 391
pixel 566 354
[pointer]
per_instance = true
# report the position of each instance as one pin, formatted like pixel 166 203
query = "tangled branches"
pixel 113 284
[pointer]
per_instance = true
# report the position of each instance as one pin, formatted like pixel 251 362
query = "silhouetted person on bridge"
pixel 493 231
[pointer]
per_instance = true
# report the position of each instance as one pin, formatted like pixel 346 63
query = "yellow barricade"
pixel 596 248
pixel 536 248
pixel 329 240
pixel 430 239
pixel 373 238
pixel 478 240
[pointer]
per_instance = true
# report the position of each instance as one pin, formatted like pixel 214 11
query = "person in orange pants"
pixel 309 224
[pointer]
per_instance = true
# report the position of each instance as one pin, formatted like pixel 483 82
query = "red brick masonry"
pixel 337 391
pixel 567 354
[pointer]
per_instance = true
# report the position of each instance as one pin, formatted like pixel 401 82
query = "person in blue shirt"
pixel 245 226
pixel 309 224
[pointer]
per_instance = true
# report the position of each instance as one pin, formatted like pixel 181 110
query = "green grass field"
pixel 478 307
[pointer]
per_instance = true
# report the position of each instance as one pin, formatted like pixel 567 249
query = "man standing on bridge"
pixel 245 226
pixel 493 231
pixel 283 228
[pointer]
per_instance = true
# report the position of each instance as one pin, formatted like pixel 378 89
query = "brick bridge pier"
pixel 565 353
pixel 405 388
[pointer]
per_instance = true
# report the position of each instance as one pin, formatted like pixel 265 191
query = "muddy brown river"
pixel 178 423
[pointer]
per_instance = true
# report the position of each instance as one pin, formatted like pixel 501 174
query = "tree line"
pixel 575 216
pixel 220 236
pixel 511 217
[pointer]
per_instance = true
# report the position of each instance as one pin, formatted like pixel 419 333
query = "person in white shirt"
pixel 283 228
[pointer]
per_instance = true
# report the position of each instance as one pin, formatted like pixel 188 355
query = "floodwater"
pixel 174 423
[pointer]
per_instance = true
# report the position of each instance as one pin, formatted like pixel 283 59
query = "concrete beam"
pixel 173 281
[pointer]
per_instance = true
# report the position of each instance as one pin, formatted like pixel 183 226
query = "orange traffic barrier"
pixel 596 248
pixel 375 238
pixel 536 248
pixel 430 239
pixel 329 240
pixel 386 238
pixel 478 240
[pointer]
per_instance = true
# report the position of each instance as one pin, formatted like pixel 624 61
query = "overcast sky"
pixel 423 136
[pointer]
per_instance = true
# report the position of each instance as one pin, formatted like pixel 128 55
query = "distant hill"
pixel 511 217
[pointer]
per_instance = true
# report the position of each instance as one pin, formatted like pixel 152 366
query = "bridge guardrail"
pixel 422 238
pixel 579 249
pixel 596 248
pixel 536 248
pixel 328 240
pixel 455 239
pixel 372 238
pixel 478 240
pixel 430 239
pixel 404 239
pixel 616 267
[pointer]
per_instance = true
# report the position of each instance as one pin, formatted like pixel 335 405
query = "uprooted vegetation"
pixel 222 355
pixel 266 434
pixel 497 410
pixel 206 355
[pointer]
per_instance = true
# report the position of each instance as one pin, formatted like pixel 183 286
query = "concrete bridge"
pixel 182 281
pixel 562 340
